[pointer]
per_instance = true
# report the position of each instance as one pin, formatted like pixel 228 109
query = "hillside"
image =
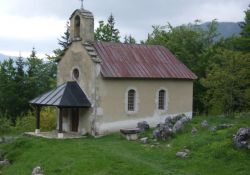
pixel 226 29
pixel 212 153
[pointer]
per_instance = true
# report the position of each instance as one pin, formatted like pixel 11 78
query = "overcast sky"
pixel 28 23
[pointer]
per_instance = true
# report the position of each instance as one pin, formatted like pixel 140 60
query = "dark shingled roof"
pixel 140 61
pixel 68 94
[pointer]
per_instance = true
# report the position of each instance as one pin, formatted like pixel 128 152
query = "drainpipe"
pixel 95 103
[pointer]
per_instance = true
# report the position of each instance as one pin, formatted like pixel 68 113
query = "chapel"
pixel 105 86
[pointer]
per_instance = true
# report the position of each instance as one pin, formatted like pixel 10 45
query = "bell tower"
pixel 82 26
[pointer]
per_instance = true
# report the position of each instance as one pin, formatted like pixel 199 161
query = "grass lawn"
pixel 211 153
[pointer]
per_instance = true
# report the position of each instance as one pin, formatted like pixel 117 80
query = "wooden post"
pixel 60 132
pixel 60 121
pixel 38 111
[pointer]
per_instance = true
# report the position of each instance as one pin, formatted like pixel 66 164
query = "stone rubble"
pixel 242 138
pixel 194 130
pixel 163 131
pixel 204 124
pixel 183 154
pixel 143 126
pixel 4 162
pixel 144 140
pixel 37 171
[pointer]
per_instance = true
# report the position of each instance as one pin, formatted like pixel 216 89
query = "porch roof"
pixel 66 95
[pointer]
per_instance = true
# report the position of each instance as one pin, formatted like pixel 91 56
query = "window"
pixel 77 27
pixel 161 100
pixel 131 100
pixel 75 74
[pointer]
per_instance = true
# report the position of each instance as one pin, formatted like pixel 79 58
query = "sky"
pixel 39 23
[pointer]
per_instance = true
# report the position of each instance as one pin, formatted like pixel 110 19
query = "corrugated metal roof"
pixel 68 94
pixel 140 61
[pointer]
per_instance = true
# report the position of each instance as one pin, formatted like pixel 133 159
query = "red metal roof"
pixel 140 61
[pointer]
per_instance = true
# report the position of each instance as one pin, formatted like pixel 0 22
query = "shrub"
pixel 5 125
pixel 48 119
pixel 27 123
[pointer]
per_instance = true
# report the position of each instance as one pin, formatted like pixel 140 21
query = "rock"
pixel 144 140
pixel 242 138
pixel 181 154
pixel 224 126
pixel 177 126
pixel 162 132
pixel 37 171
pixel 143 126
pixel 4 162
pixel 204 124
pixel 1 140
pixel 187 151
pixel 180 123
pixel 194 130
pixel 213 128
pixel 169 122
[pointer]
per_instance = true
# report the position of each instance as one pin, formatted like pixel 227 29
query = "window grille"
pixel 131 100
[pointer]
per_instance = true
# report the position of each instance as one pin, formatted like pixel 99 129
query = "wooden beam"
pixel 38 111
pixel 60 121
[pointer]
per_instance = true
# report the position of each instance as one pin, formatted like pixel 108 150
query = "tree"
pixel 107 31
pixel 244 40
pixel 129 40
pixel 228 82
pixel 65 38
pixel 22 80
pixel 194 46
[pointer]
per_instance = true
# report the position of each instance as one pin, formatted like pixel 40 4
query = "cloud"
pixel 43 21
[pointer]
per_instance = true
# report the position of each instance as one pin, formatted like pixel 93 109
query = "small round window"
pixel 76 74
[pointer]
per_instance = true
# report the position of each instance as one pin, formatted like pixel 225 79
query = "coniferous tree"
pixel 129 40
pixel 107 31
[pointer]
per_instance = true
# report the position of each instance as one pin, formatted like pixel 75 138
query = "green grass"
pixel 211 153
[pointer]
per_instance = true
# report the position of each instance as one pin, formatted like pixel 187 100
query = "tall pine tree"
pixel 107 31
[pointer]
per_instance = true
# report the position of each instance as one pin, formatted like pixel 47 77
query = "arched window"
pixel 77 27
pixel 162 100
pixel 131 100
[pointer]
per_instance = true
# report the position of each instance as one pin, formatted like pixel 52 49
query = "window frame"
pixel 166 100
pixel 136 101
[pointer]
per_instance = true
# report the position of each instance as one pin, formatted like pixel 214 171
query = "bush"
pixel 5 125
pixel 48 119
pixel 27 123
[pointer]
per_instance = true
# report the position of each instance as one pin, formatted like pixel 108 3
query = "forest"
pixel 223 68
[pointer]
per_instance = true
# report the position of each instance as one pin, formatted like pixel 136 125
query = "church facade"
pixel 124 83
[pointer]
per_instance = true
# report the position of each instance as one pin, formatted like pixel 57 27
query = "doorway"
pixel 74 119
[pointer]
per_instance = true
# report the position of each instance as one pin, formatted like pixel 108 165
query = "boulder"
pixel 242 138
pixel 4 162
pixel 177 126
pixel 204 124
pixel 37 171
pixel 224 126
pixel 169 122
pixel 178 117
pixel 143 126
pixel 213 128
pixel 162 132
pixel 194 130
pixel 181 154
pixel 180 123
pixel 144 140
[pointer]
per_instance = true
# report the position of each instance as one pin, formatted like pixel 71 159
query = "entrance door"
pixel 75 119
